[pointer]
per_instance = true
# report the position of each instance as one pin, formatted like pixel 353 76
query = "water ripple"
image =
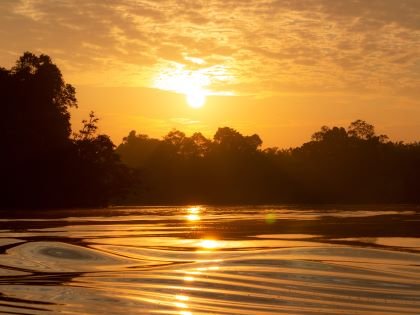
pixel 177 264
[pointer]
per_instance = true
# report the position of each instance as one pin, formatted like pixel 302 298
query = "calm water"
pixel 204 260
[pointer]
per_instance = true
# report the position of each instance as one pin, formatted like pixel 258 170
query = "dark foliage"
pixel 338 165
pixel 41 165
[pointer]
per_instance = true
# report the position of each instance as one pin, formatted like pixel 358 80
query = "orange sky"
pixel 277 68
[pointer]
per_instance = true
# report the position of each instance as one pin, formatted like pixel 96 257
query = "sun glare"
pixel 196 99
pixel 188 82
pixel 195 83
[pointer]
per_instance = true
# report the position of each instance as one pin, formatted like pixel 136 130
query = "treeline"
pixel 44 165
pixel 338 165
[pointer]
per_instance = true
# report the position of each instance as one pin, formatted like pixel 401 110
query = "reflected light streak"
pixel 193 272
pixel 180 305
pixel 193 213
pixel 209 244
pixel 194 210
pixel 182 297
pixel 208 268
pixel 193 217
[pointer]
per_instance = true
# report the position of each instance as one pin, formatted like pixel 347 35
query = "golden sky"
pixel 277 68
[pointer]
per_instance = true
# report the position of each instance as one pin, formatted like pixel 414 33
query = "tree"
pixel 231 140
pixel 101 175
pixel 319 135
pixel 333 167
pixel 335 134
pixel 200 145
pixel 43 165
pixel 360 129
pixel 39 96
pixel 89 128
pixel 35 131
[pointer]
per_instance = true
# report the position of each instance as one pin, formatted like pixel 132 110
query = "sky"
pixel 278 68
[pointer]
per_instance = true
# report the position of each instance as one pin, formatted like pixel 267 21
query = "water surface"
pixel 211 260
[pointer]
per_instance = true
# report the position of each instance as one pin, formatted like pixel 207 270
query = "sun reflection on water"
pixel 193 217
pixel 191 277
pixel 180 305
pixel 194 210
pixel 182 297
pixel 193 213
pixel 209 244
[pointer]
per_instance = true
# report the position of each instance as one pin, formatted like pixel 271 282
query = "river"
pixel 196 260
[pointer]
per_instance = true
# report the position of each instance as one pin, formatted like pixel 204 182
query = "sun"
pixel 196 84
pixel 193 84
pixel 196 99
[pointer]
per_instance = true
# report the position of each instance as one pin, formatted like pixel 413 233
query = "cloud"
pixel 267 46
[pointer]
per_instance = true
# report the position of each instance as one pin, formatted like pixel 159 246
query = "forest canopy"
pixel 339 164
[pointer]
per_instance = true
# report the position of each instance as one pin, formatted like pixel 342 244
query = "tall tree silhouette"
pixel 99 175
pixel 40 162
pixel 35 128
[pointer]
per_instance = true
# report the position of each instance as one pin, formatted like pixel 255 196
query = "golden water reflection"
pixel 183 301
pixel 197 274
pixel 209 244
pixel 194 210
pixel 193 217
pixel 193 213
pixel 230 261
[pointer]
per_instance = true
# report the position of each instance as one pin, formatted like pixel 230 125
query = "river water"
pixel 212 260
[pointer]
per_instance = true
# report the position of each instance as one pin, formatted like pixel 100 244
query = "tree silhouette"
pixel 337 165
pixel 361 129
pixel 43 165
pixel 89 128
